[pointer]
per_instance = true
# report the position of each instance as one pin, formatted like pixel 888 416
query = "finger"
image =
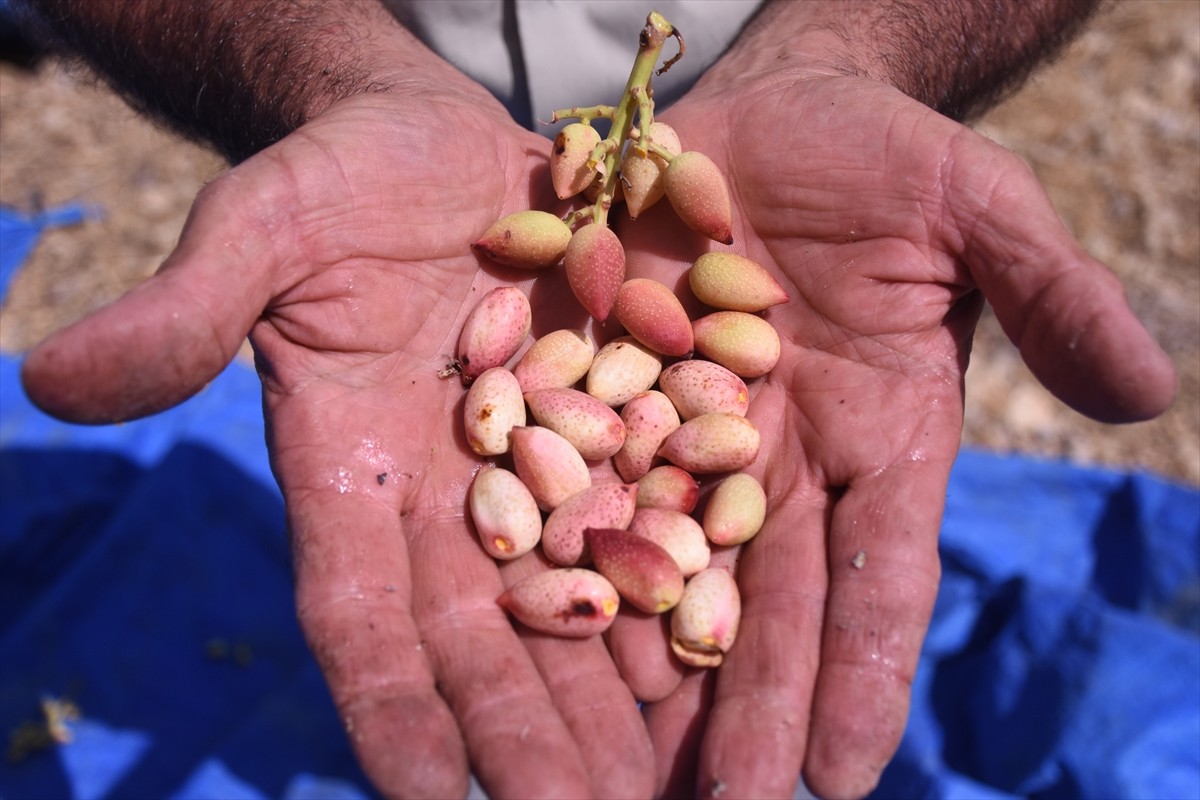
pixel 519 744
pixel 884 572
pixel 1064 310
pixel 640 648
pixel 353 602
pixel 167 338
pixel 758 725
pixel 676 725
pixel 595 703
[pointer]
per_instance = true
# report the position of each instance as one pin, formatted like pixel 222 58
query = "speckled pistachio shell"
pixel 704 387
pixel 526 239
pixel 592 428
pixel 568 159
pixel 621 370
pixel 732 282
pixel 494 331
pixel 548 465
pixel 649 417
pixel 743 343
pixel 677 533
pixel 595 267
pixel 642 572
pixel 557 360
pixel 736 510
pixel 653 315
pixel 697 191
pixel 704 624
pixel 493 407
pixel 563 602
pixel 505 514
pixel 644 178
pixel 712 443
pixel 606 505
pixel 668 487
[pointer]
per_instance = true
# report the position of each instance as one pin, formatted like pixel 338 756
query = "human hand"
pixel 887 224
pixel 344 251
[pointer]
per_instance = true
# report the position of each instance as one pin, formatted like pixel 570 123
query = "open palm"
pixel 882 219
pixel 344 251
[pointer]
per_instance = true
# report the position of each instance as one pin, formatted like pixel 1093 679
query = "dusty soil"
pixel 1112 129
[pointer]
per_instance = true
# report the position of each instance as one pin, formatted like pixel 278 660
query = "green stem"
pixel 637 92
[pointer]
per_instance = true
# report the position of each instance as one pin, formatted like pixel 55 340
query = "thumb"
pixel 164 340
pixel 1065 311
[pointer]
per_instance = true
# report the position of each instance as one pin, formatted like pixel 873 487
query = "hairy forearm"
pixel 237 74
pixel 956 56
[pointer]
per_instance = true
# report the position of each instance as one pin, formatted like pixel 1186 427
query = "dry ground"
pixel 1112 129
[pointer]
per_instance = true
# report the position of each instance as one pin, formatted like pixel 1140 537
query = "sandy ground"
pixel 1112 129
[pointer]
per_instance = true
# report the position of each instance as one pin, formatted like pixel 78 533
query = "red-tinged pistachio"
pixel 736 510
pixel 494 406
pixel 605 505
pixel 548 465
pixel 558 360
pixel 648 418
pixel 677 533
pixel 642 177
pixel 623 369
pixel 668 487
pixel 494 331
pixel 745 344
pixel 568 159
pixel 704 624
pixel 526 239
pixel 641 571
pixel 697 191
pixel 506 516
pixel 732 282
pixel 595 267
pixel 704 387
pixel 592 427
pixel 592 192
pixel 653 315
pixel 563 602
pixel 712 443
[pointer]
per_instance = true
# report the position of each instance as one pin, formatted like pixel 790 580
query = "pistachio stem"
pixel 584 114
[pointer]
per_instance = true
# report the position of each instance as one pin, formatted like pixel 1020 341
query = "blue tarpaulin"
pixel 145 596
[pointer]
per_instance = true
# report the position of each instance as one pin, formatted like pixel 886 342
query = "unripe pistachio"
pixel 493 407
pixel 704 624
pixel 621 370
pixel 744 343
pixel 648 417
pixel 704 387
pixel 494 331
pixel 697 191
pixel 592 427
pixel 736 510
pixel 526 239
pixel 712 443
pixel 548 465
pixel 641 571
pixel 563 602
pixel 595 267
pixel 653 315
pixel 568 159
pixel 558 360
pixel 643 177
pixel 732 282
pixel 675 532
pixel 592 192
pixel 506 516
pixel 603 505
pixel 668 487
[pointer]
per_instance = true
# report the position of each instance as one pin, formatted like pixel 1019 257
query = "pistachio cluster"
pixel 643 400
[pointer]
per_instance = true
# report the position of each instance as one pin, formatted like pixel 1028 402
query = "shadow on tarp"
pixel 145 580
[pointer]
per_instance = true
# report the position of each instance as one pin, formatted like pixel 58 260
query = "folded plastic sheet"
pixel 145 603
